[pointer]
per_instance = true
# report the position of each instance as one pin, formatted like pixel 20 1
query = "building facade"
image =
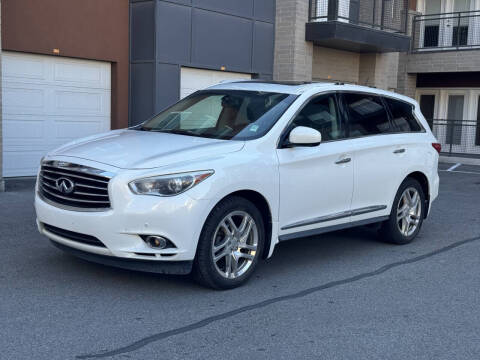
pixel 75 68
pixel 341 40
pixel 444 65
pixel 179 46
pixel 65 74
pixel 425 49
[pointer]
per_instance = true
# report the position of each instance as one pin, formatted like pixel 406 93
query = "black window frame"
pixel 283 140
pixel 346 113
pixel 395 130
pixel 390 114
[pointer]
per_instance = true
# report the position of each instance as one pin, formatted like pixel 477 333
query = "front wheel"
pixel 406 217
pixel 230 245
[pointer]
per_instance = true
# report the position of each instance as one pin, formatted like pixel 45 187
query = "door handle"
pixel 343 161
pixel 399 151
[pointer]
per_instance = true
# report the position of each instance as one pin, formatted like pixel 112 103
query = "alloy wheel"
pixel 235 243
pixel 409 211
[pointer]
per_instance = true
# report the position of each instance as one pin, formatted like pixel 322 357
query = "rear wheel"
pixel 406 217
pixel 230 245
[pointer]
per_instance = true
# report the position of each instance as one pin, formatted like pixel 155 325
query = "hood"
pixel 133 149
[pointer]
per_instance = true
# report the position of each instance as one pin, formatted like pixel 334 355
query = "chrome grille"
pixel 74 186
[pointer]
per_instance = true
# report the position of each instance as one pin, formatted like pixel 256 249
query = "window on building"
pixel 432 25
pixel 321 114
pixel 427 107
pixel 402 116
pixel 454 118
pixel 367 115
pixel 460 27
pixel 477 133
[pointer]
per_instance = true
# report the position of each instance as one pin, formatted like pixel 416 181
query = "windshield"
pixel 222 114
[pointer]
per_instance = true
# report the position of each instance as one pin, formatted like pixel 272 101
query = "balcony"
pixel 446 31
pixel 359 25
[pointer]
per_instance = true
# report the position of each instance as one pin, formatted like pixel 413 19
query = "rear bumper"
pixel 158 267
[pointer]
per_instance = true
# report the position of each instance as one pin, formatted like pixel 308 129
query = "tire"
pixel 224 237
pixel 411 218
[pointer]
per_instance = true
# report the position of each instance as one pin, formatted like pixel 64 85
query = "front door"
pixel 316 183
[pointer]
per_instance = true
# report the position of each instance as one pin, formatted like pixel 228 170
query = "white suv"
pixel 217 180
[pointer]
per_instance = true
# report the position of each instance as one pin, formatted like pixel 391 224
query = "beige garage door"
pixel 198 79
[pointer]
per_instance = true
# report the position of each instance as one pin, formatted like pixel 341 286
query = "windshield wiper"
pixel 177 132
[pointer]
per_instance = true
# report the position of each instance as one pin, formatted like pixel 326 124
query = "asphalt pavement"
pixel 343 295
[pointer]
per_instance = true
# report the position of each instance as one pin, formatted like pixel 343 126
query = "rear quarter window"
pixel 402 116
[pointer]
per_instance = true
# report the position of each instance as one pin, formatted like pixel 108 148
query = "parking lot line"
pixel 454 167
pixel 461 172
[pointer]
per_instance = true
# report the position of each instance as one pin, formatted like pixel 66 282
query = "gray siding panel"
pixel 141 92
pixel 234 7
pixel 265 10
pixel 168 34
pixel 182 2
pixel 168 86
pixel 263 48
pixel 173 32
pixel 142 30
pixel 222 40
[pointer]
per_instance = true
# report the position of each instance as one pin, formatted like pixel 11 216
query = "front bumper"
pixel 159 267
pixel 179 219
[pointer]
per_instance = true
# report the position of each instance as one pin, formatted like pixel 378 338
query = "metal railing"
pixel 458 137
pixel 446 31
pixel 386 15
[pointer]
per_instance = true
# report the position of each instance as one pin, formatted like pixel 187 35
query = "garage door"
pixel 49 101
pixel 197 79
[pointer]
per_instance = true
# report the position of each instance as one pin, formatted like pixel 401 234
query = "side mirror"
pixel 304 136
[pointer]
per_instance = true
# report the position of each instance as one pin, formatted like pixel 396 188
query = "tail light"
pixel 437 147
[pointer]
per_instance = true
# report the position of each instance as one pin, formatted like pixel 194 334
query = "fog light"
pixel 156 242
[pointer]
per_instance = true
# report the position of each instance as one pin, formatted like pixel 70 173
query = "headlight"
pixel 168 185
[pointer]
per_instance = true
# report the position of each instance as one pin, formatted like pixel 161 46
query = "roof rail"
pixel 233 81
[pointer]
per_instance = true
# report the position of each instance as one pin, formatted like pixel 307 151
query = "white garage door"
pixel 198 79
pixel 49 101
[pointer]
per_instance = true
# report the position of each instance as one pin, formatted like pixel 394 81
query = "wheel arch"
pixel 264 207
pixel 423 180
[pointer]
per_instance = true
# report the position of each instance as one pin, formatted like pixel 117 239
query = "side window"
pixel 366 114
pixel 321 114
pixel 402 116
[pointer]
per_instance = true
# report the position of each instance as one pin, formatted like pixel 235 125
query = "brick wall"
pixel 293 55
pixel 446 61
pixel 335 65
pixel 407 83
pixel 379 70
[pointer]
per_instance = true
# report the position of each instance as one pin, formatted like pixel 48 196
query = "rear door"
pixel 377 152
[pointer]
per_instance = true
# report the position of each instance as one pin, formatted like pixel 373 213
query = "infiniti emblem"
pixel 64 185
